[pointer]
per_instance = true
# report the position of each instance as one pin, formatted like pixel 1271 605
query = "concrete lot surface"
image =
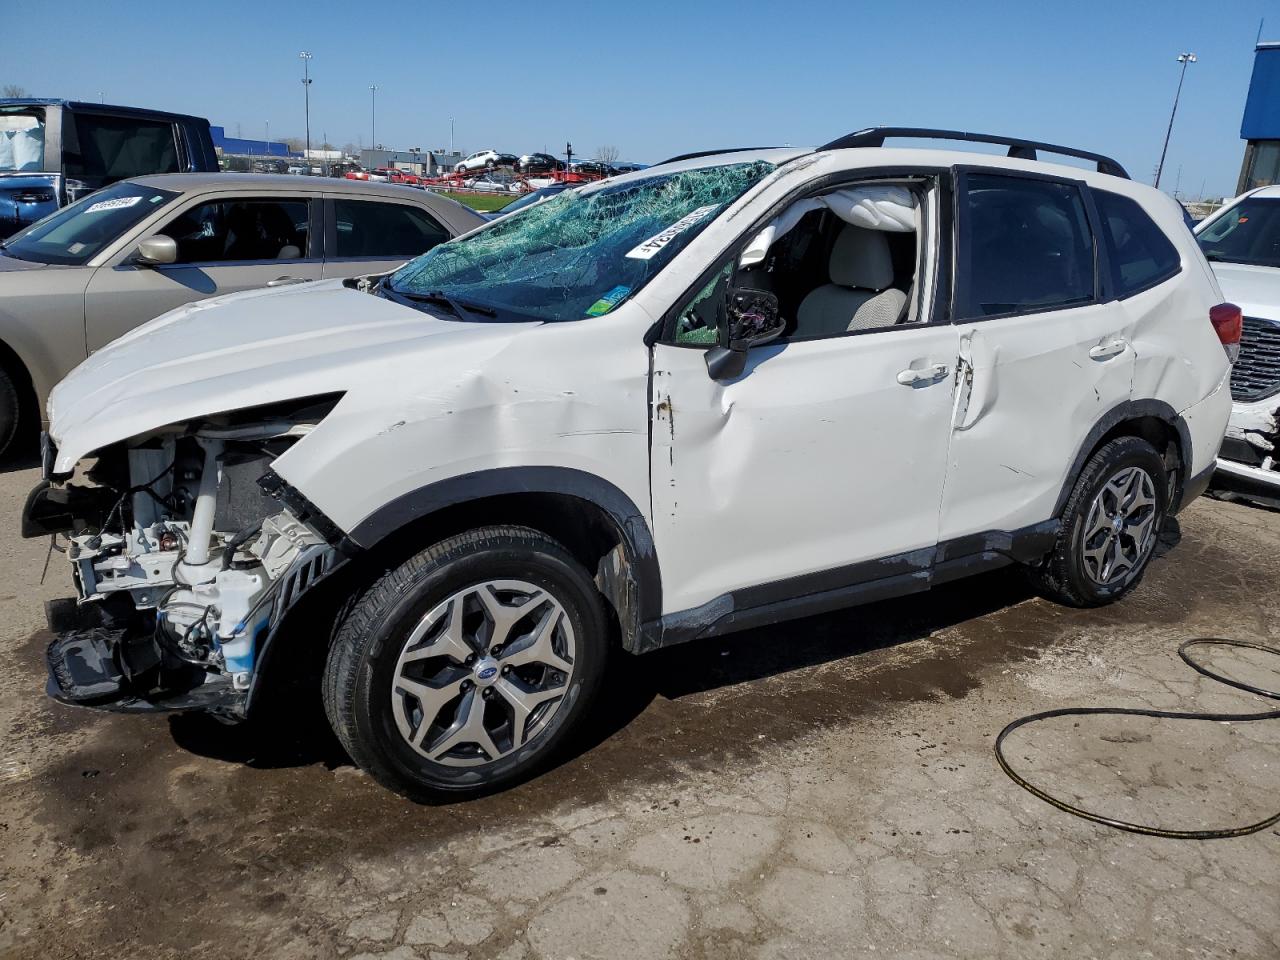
pixel 819 789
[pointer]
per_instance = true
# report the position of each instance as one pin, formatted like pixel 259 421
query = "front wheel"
pixel 1110 526
pixel 465 668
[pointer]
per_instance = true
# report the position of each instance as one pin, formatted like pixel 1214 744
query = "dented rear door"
pixel 1044 351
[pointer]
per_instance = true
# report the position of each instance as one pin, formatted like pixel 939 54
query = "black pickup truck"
pixel 52 152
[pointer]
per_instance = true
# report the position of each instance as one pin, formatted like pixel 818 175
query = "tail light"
pixel 1228 324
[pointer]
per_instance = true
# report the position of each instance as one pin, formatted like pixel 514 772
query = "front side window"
pixel 383 230
pixel 1249 232
pixel 582 253
pixel 114 148
pixel 1140 254
pixel 238 230
pixel 77 232
pixel 21 139
pixel 1025 246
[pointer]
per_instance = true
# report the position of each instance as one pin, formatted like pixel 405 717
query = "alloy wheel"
pixel 483 672
pixel 1120 529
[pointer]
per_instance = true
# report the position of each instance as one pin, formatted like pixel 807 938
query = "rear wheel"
pixel 1109 526
pixel 465 669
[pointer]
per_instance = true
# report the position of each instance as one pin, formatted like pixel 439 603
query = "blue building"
pixel 1260 128
pixel 239 146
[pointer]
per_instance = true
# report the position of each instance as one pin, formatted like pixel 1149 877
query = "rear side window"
pixel 1026 246
pixel 368 229
pixel 1141 255
pixel 118 147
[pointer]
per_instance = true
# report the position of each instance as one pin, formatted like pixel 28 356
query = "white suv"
pixel 480 160
pixel 721 392
pixel 1242 244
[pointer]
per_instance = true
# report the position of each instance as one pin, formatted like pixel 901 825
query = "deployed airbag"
pixel 873 207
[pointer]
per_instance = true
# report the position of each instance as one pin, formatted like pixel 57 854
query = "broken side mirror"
pixel 753 320
pixel 157 250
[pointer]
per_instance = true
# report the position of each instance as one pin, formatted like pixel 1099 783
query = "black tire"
pixel 1063 576
pixel 10 413
pixel 374 627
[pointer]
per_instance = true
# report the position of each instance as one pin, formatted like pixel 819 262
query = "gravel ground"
pixel 818 789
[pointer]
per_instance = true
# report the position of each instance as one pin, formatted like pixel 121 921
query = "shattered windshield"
pixel 578 254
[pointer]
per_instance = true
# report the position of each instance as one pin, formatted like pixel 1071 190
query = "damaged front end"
pixel 186 552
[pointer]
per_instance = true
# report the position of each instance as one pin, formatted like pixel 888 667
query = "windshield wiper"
pixel 459 308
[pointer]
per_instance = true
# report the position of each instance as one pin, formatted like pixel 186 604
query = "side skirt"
pixel 849 586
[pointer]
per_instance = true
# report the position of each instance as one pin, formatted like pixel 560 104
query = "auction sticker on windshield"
pixel 608 301
pixel 117 204
pixel 653 246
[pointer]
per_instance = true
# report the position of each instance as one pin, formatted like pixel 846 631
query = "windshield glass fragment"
pixel 579 254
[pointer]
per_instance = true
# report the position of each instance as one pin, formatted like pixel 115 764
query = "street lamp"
pixel 306 87
pixel 373 117
pixel 1184 59
pixel 451 136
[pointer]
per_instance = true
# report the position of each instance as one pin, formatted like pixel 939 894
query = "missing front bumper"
pixel 95 662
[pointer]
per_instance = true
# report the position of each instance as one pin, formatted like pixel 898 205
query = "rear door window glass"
pixel 1025 246
pixel 239 230
pixel 367 229
pixel 118 147
pixel 1140 254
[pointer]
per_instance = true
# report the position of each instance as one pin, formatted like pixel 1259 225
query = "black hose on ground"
pixel 1160 715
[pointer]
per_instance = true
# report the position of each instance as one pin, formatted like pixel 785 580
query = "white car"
pixel 1241 241
pixel 480 160
pixel 721 392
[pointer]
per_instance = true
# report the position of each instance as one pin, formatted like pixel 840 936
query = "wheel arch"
pixel 595 520
pixel 1154 421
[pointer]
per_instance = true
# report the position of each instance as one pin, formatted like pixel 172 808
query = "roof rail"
pixel 1021 149
pixel 710 153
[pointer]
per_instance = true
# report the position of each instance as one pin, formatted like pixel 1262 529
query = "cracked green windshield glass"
pixel 580 254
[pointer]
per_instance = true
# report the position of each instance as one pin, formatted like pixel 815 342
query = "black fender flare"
pixel 629 523
pixel 1120 413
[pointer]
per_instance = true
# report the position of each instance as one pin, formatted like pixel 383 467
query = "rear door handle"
pixel 911 376
pixel 281 281
pixel 1105 351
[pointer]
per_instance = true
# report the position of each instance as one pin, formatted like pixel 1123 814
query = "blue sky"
pixel 656 78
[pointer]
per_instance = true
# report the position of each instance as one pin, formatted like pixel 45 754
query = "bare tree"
pixel 294 144
pixel 13 90
pixel 607 154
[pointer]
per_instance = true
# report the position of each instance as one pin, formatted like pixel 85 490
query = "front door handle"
pixel 281 281
pixel 1105 351
pixel 911 376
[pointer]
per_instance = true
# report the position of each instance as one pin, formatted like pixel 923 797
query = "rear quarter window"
pixel 1141 255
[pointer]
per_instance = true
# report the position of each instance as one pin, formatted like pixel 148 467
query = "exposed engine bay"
pixel 185 555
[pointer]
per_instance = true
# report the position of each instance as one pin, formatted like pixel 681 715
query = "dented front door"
pixel 824 453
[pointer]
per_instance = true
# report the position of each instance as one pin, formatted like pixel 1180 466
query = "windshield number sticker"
pixel 608 301
pixel 118 203
pixel 653 246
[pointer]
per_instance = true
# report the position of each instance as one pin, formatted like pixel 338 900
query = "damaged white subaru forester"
pixel 720 392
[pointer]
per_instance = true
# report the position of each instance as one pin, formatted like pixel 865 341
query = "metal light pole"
pixel 373 117
pixel 1184 59
pixel 451 135
pixel 306 87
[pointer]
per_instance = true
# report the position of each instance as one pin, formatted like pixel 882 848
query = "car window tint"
pixel 120 147
pixel 1141 255
pixel 1249 232
pixel 1027 246
pixel 368 229
pixel 249 229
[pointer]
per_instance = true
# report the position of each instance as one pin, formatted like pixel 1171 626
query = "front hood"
pixel 238 351
pixel 1254 289
pixel 14 265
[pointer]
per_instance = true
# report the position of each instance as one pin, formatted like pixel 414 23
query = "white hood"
pixel 239 351
pixel 1254 289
